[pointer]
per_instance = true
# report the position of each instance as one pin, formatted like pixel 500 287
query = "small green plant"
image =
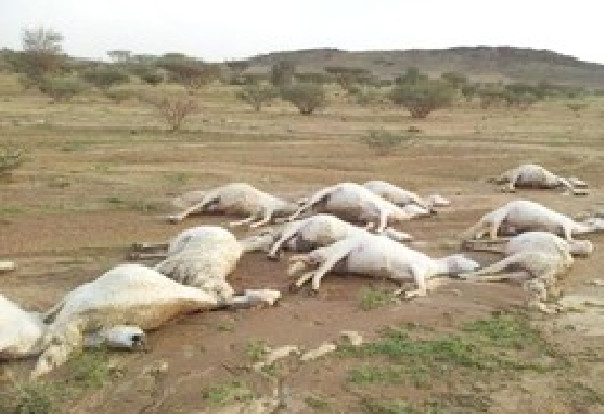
pixel 29 398
pixel 255 350
pixel 371 298
pixel 61 88
pixel 383 142
pixel 104 77
pixel 11 158
pixel 577 107
pixel 257 95
pixel 374 373
pixel 375 406
pixel 90 368
pixel 305 96
pixel 227 392
pixel 120 94
pixel 317 402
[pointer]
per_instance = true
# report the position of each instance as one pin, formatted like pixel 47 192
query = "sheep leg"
pixel 147 256
pixel 326 266
pixel 302 280
pixel 313 201
pixel 498 267
pixel 245 221
pixel 286 236
pixel 195 208
pixel 268 214
pixel 146 246
pixel 383 221
pixel 298 263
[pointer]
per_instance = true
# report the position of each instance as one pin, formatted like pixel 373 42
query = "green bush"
pixel 422 97
pixel 121 94
pixel 282 73
pixel 104 77
pixel 256 95
pixel 10 159
pixel 61 88
pixel 305 96
pixel 173 109
pixel 384 142
pixel 152 77
pixel 411 77
pixel 365 95
pixel 456 80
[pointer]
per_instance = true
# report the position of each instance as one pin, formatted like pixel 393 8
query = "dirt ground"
pixel 99 176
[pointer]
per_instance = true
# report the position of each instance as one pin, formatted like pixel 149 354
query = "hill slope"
pixel 481 64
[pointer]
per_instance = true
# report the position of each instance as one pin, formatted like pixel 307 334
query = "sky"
pixel 230 29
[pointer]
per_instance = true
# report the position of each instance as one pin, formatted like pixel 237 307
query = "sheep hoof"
pixel 313 292
pixel 293 288
pixel 273 257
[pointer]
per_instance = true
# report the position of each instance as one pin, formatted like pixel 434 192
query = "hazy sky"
pixel 215 30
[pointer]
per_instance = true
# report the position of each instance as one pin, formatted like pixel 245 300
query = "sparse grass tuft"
pixel 11 158
pixel 371 298
pixel 227 392
pixel 90 369
pixel 255 349
pixel 317 402
pixel 28 398
pixel 374 373
pixel 383 142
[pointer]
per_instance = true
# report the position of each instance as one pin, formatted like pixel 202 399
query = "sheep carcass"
pixel 20 331
pixel 204 257
pixel 320 230
pixel 131 297
pixel 535 176
pixel 402 197
pixel 355 202
pixel 536 258
pixel 521 215
pixel 378 256
pixel 238 199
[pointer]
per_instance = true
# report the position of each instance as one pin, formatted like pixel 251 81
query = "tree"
pixel 173 108
pixel 256 95
pixel 411 77
pixel 103 77
pixel 305 96
pixel 456 80
pixel 282 73
pixel 422 97
pixel 191 74
pixel 347 76
pixel 42 54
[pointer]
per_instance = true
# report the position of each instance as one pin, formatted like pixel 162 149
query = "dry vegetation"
pixel 98 174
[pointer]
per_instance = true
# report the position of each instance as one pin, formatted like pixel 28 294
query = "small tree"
pixel 282 73
pixel 411 77
pixel 192 74
pixel 152 77
pixel 456 80
pixel 305 96
pixel 256 95
pixel 42 54
pixel 104 77
pixel 61 88
pixel 469 92
pixel 173 109
pixel 421 98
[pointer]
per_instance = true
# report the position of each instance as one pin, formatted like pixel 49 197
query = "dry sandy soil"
pixel 99 175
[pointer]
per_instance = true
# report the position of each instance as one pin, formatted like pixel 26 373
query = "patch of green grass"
pixel 35 397
pixel 255 350
pixel 90 369
pixel 227 392
pixel 372 298
pixel 177 178
pixel 378 406
pixel 225 326
pixel 317 402
pixel 504 330
pixel 374 373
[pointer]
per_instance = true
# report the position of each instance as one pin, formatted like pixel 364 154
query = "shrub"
pixel 10 159
pixel 306 97
pixel 256 95
pixel 577 107
pixel 173 109
pixel 423 97
pixel 384 142
pixel 41 55
pixel 119 95
pixel 469 92
pixel 61 88
pixel 152 77
pixel 365 95
pixel 282 73
pixel 411 77
pixel 104 77
pixel 456 80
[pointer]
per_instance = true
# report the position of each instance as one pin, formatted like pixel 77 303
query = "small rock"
pixel 318 352
pixel 6 266
pixel 353 337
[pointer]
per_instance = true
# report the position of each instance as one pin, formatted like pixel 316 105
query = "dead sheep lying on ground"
pixel 321 230
pixel 401 197
pixel 356 203
pixel 380 257
pixel 235 199
pixel 535 176
pixel 521 216
pixel 536 259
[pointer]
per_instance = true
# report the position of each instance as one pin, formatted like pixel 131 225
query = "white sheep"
pixel 320 230
pixel 401 197
pixel 236 199
pixel 203 256
pixel 381 257
pixel 355 202
pixel 535 176
pixel 132 297
pixel 20 331
pixel 534 241
pixel 521 215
